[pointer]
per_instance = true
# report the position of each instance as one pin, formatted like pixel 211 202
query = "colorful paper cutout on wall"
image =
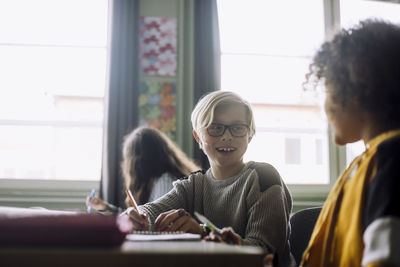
pixel 157 46
pixel 157 106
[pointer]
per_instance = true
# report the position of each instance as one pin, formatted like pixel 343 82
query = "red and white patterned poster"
pixel 158 46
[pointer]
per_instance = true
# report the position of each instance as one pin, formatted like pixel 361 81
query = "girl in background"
pixel 151 162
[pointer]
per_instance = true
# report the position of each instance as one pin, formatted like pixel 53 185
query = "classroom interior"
pixel 78 75
pixel 52 145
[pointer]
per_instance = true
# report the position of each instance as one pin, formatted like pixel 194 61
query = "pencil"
pixel 92 194
pixel 135 206
pixel 132 199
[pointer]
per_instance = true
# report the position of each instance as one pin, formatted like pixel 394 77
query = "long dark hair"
pixel 148 154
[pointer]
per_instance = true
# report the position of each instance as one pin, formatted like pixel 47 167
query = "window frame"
pixel 49 194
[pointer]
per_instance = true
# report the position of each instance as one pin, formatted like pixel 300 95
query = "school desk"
pixel 154 253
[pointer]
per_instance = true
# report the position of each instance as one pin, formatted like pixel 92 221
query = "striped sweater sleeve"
pixel 178 197
pixel 271 205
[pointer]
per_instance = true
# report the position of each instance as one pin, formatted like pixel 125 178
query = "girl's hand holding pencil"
pixel 95 204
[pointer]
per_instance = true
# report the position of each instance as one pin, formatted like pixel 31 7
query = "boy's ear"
pixel 249 139
pixel 197 138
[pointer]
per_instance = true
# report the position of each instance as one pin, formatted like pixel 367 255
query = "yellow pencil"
pixel 134 204
pixel 132 199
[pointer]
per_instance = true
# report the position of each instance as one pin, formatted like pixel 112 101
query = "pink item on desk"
pixel 31 227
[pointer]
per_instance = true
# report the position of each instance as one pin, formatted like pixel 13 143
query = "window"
pixel 292 151
pixel 53 66
pixel 318 151
pixel 266 48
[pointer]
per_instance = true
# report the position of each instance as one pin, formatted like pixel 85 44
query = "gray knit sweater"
pixel 255 203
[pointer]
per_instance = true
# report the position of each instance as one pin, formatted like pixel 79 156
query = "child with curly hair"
pixel 359 224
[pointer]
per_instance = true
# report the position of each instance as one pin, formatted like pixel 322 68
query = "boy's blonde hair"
pixel 203 112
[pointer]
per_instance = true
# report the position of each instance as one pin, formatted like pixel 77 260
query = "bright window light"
pixel 53 66
pixel 266 49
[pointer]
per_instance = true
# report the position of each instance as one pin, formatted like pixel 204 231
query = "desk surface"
pixel 129 254
pixel 160 253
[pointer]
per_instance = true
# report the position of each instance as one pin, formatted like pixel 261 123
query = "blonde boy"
pixel 249 197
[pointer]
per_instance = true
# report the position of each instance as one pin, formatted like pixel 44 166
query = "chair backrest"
pixel 302 224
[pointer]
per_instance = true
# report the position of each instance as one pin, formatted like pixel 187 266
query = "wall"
pixel 182 10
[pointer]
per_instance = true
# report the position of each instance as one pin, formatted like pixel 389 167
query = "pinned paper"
pixel 157 46
pixel 157 106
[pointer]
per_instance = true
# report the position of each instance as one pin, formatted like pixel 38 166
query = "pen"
pixel 208 223
pixel 92 194
pixel 132 199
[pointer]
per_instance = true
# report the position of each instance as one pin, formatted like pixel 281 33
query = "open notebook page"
pixel 161 236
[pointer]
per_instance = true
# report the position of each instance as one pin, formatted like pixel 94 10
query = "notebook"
pixel 162 236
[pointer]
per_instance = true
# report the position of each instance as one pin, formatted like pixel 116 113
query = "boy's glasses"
pixel 236 130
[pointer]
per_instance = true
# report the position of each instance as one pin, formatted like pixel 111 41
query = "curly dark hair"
pixel 362 65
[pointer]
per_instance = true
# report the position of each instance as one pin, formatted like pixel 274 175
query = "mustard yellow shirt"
pixel 337 239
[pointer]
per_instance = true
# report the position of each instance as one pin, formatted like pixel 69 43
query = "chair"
pixel 302 224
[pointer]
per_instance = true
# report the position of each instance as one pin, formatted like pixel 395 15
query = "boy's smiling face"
pixel 225 152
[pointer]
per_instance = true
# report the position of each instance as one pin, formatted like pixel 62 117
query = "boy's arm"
pixel 268 218
pixel 382 220
pixel 381 243
pixel 270 205
pixel 174 199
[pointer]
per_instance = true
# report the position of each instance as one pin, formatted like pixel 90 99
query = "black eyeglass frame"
pixel 230 129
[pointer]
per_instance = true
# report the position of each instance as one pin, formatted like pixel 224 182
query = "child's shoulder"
pixel 193 174
pixel 267 174
pixel 191 179
pixel 383 190
pixel 197 173
pixel 390 147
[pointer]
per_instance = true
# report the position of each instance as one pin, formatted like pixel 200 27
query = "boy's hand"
pixel 138 220
pixel 268 260
pixel 97 203
pixel 177 220
pixel 227 236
